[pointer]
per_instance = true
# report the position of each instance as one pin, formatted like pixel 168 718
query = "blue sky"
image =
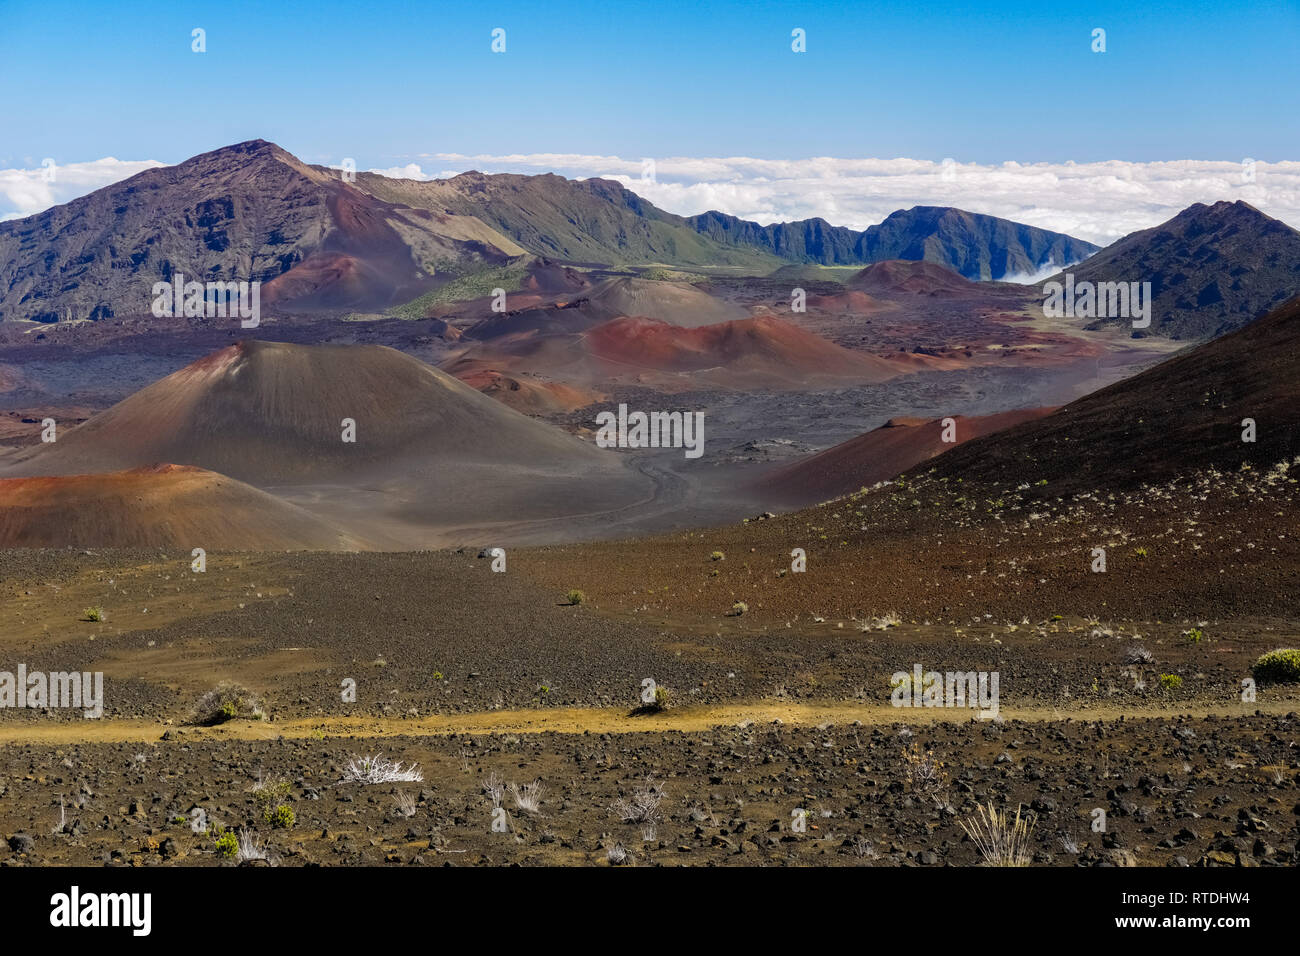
pixel 386 82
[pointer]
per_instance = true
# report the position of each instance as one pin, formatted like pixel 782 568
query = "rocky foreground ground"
pixel 1122 705
pixel 1171 792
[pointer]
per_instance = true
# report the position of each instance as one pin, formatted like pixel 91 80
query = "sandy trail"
pixel 579 720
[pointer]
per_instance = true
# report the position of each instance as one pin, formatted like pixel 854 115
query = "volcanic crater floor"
pixel 779 746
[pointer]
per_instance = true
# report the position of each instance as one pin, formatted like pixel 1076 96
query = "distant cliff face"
pixel 972 245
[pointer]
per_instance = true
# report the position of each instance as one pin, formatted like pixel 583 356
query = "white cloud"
pixel 409 171
pixel 1096 201
pixel 25 192
pixel 1037 276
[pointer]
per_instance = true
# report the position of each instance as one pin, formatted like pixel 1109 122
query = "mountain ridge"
pixel 973 245
pixel 247 212
pixel 1212 268
pixel 255 212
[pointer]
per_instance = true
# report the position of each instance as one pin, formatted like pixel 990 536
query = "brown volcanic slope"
pixel 919 278
pixel 1183 414
pixel 893 448
pixel 1212 269
pixel 167 506
pixel 545 276
pixel 579 308
pixel 851 303
pixel 530 396
pixel 765 347
pixel 675 302
pixel 761 352
pixel 1148 469
pixel 246 212
pixel 269 412
pixel 575 316
pixel 433 461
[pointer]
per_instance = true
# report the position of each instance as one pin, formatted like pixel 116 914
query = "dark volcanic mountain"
pixel 1212 269
pixel 973 245
pixel 589 220
pixel 254 212
pixel 1184 414
pixel 807 240
pixel 245 212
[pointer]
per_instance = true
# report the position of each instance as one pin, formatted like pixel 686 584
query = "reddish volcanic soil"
pixel 853 302
pixel 877 455
pixel 761 346
pixel 674 302
pixel 323 278
pixel 754 353
pixel 927 318
pixel 921 278
pixel 163 506
pixel 530 396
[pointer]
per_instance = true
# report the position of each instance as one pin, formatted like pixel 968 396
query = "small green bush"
pixel 717 556
pixel 576 597
pixel 739 608
pixel 225 842
pixel 1170 682
pixel 1281 666
pixel 95 614
pixel 281 817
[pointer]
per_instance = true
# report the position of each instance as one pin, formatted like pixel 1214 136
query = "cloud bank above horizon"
pixel 1099 202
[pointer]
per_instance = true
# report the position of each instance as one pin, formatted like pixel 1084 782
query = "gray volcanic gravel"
pixel 1174 792
pixel 439 632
